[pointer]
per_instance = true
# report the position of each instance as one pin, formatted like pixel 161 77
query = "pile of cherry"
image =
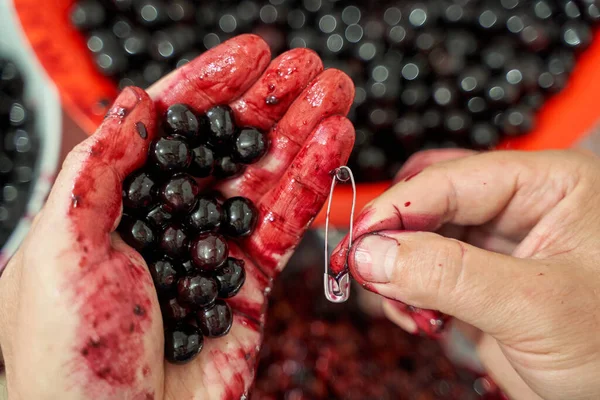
pixel 428 73
pixel 182 233
pixel 18 148
pixel 317 350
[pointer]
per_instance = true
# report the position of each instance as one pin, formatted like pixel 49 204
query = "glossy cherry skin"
pixel 182 343
pixel 249 146
pixel 197 291
pixel 206 216
pixel 240 217
pixel 219 126
pixel 174 241
pixel 173 310
pixel 225 168
pixel 216 320
pixel 202 163
pixel 165 274
pixel 231 278
pixel 179 193
pixel 170 154
pixel 208 251
pixel 159 217
pixel 180 120
pixel 138 190
pixel 137 233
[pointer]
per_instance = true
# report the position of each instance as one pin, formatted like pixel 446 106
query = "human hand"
pixel 513 256
pixel 79 314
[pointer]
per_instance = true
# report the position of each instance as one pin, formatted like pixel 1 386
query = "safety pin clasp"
pixel 337 286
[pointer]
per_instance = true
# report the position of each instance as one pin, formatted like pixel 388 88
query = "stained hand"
pixel 79 314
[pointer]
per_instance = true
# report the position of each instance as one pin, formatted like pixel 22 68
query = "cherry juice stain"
pixel 111 290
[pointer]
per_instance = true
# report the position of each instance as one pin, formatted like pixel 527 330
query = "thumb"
pixel 429 271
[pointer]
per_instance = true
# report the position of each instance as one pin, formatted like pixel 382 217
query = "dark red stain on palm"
pixel 407 204
pixel 110 290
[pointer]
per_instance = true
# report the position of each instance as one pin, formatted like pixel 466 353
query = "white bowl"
pixel 40 95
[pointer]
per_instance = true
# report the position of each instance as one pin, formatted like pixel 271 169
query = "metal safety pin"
pixel 337 286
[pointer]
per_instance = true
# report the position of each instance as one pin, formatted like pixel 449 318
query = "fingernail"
pixel 124 103
pixel 374 258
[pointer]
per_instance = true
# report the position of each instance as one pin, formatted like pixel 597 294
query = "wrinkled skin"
pixel 505 242
pixel 79 314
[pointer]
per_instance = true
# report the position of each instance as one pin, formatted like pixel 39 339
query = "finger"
pixel 270 97
pixel 331 93
pixel 423 159
pixel 287 210
pixel 218 76
pixel 88 188
pixel 428 271
pixel 396 313
pixel 107 312
pixel 509 191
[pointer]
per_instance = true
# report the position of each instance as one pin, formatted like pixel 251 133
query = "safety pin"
pixel 337 287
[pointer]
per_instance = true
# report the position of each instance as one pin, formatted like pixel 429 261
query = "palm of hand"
pixel 90 296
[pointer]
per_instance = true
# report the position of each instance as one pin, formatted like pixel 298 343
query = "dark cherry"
pixel 182 343
pixel 180 120
pixel 87 14
pixel 457 122
pixel 197 291
pixel 225 168
pixel 484 136
pixel 473 80
pixel 170 154
pixel 202 163
pixel 240 217
pixel 249 146
pixel 179 193
pixel 215 321
pixel 174 241
pixel 188 267
pixel 499 92
pixel 206 216
pixel 209 251
pixel 138 190
pixel 159 217
pixel 219 126
pixel 517 121
pixel 173 310
pixel 137 233
pixel 231 277
pixel 164 274
pixel 576 35
pixel 11 80
pixel 444 94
